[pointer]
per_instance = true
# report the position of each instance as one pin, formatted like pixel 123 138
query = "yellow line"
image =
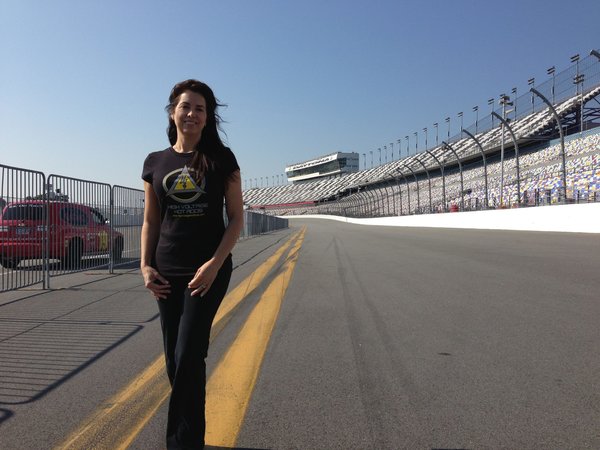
pixel 121 414
pixel 104 417
pixel 158 396
pixel 235 296
pixel 120 419
pixel 232 382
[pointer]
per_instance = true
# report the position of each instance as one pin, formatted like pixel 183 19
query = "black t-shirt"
pixel 192 223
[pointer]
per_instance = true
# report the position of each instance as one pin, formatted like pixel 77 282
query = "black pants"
pixel 186 323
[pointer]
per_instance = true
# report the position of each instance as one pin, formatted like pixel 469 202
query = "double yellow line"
pixel 121 418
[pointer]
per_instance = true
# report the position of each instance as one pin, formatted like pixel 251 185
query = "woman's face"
pixel 189 114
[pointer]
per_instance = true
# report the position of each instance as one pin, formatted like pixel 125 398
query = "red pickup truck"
pixel 73 231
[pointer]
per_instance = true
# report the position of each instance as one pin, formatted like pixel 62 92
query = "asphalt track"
pixel 385 338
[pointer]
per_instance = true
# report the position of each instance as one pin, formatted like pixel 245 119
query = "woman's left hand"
pixel 204 278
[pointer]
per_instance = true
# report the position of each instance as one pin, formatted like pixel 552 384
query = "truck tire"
pixel 74 253
pixel 117 250
pixel 10 263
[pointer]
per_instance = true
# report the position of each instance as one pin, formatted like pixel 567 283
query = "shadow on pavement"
pixel 5 414
pixel 49 338
pixel 43 355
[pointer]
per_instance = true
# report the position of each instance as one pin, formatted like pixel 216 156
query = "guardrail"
pixel 51 226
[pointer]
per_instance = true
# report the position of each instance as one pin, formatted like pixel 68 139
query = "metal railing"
pixel 51 226
pixel 17 184
pixel 79 230
pixel 256 223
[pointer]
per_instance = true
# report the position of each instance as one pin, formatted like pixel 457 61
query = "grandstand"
pixel 512 157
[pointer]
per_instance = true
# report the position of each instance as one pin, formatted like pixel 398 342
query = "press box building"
pixel 323 167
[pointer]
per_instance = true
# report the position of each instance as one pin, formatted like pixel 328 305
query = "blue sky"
pixel 84 83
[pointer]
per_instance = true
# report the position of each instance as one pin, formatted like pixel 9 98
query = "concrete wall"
pixel 580 218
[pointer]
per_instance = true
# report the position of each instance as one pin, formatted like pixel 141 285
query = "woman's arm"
pixel 235 213
pixel 150 233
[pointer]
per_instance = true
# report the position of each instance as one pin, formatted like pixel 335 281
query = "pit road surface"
pixel 386 338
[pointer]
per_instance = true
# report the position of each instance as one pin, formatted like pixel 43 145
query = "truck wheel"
pixel 10 263
pixel 74 254
pixel 117 251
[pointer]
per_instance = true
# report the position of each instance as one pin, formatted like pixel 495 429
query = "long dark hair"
pixel 206 152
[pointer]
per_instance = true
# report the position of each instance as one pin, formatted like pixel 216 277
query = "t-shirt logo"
pixel 181 187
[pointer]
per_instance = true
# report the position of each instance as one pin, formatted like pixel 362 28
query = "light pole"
pixel 575 59
pixel 513 91
pixel 416 141
pixel 371 152
pixel 551 71
pixel 392 147
pixel 476 111
pixel 448 122
pixel 504 101
pixel 531 82
pixel 425 130
pixel 491 103
pixel 385 150
pixel 436 133
pixel 460 116
pixel 407 145
pixel 577 80
pixel 379 149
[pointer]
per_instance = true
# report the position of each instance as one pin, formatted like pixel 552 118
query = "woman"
pixel 186 260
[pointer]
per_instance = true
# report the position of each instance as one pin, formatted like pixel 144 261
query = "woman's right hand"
pixel 158 285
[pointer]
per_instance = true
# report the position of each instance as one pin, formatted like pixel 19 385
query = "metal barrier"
pixel 127 219
pixel 22 228
pixel 80 235
pixel 58 225
pixel 256 223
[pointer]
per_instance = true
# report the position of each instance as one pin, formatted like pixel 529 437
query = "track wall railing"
pixel 477 185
